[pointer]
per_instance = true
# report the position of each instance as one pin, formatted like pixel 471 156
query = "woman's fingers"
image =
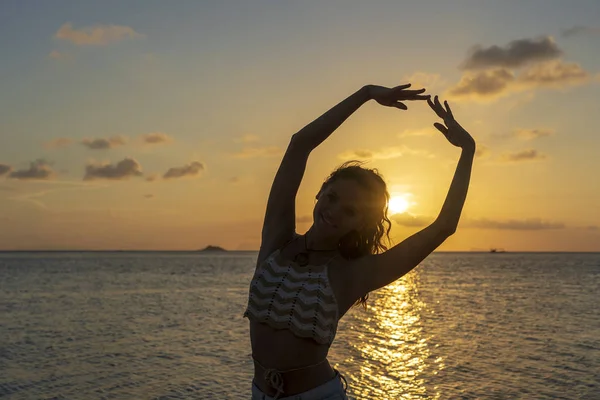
pixel 400 105
pixel 441 128
pixel 409 92
pixel 435 106
pixel 431 103
pixel 421 97
pixel 401 87
pixel 448 110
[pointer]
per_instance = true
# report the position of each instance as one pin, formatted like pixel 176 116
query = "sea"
pixel 169 325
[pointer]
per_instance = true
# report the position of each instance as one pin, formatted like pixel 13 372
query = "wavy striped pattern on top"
pixel 293 297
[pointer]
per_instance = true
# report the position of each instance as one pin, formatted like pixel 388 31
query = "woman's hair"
pixel 370 240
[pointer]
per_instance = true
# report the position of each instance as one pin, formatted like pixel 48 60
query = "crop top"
pixel 294 297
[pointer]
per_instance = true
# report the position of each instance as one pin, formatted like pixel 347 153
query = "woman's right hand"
pixel 394 97
pixel 456 134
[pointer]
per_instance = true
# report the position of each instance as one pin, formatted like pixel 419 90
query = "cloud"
pixel 156 138
pixel 57 55
pixel 592 227
pixel 515 54
pixel 523 155
pixel 409 220
pixel 234 179
pixel 555 74
pixel 38 170
pixel 530 134
pixel 423 80
pixel 5 169
pixel 152 177
pixel 482 151
pixel 58 143
pixel 494 83
pixel 192 169
pixel 102 143
pixel 148 196
pixel 124 169
pixel 419 132
pixel 490 83
pixel 512 224
pixel 255 152
pixel 97 35
pixel 383 154
pixel 581 30
pixel 247 139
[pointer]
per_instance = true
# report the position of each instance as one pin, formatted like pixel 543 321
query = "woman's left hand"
pixel 455 133
pixel 394 97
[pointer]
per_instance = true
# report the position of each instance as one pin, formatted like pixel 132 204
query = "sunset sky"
pixel 160 125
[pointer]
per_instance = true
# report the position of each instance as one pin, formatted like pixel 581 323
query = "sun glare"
pixel 397 205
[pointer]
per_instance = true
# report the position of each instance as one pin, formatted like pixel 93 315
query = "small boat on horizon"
pixel 496 250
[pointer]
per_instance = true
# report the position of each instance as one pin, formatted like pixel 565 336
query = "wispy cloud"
pixel 38 170
pixel 527 224
pixel 483 84
pixel 581 30
pixel 156 138
pixel 418 132
pixel 58 143
pixel 512 224
pixel 523 155
pixel 491 84
pixel 383 154
pixel 57 55
pixel 97 35
pixel 530 134
pixel 515 54
pixel 124 169
pixel 426 80
pixel 152 177
pixel 258 152
pixel 553 74
pixel 410 220
pixel 59 186
pixel 102 143
pixel 189 170
pixel 521 65
pixel 482 151
pixel 247 139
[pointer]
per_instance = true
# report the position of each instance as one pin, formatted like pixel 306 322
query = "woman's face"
pixel 340 208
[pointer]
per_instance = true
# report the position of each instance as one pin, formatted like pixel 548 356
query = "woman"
pixel 303 284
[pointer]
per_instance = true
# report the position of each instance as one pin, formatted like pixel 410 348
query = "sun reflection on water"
pixel 392 356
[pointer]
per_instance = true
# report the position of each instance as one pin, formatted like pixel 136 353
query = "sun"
pixel 398 205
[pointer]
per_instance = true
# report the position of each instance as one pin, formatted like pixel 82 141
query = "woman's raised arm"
pixel 375 271
pixel 279 224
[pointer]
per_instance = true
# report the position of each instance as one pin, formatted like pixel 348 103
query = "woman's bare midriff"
pixel 281 350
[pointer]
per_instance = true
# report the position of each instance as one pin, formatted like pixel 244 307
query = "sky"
pixel 156 125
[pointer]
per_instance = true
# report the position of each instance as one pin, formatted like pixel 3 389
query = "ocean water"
pixel 169 326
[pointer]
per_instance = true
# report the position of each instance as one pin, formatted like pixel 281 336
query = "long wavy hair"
pixel 375 235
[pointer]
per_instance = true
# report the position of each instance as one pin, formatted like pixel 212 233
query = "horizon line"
pixel 256 250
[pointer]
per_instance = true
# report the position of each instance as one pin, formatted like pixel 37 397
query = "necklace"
pixel 302 258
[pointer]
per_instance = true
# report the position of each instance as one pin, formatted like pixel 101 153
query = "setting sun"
pixel 397 205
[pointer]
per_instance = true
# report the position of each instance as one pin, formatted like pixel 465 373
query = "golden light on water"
pixel 394 349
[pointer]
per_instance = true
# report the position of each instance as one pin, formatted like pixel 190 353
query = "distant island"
pixel 212 248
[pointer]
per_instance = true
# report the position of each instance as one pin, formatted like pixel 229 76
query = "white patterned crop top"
pixel 294 297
